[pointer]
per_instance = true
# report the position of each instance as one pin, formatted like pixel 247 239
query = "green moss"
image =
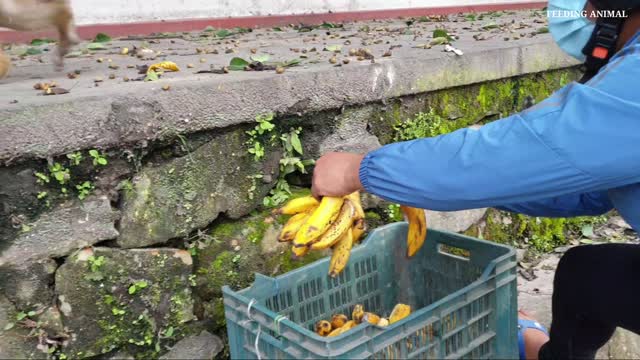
pixel 372 215
pixel 540 234
pixel 455 108
pixel 288 262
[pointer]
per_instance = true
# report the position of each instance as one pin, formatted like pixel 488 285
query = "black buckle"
pixel 605 35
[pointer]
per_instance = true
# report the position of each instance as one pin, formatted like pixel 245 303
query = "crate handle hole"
pixel 454 251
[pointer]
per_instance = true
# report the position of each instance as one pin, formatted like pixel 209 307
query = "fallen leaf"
pixel 166 87
pixel 490 26
pixel 543 30
pixel 587 230
pixel 102 38
pixel 290 63
pixel 587 241
pixel 124 51
pixel 96 46
pixel 151 76
pixel 438 41
pixel 31 51
pixel 40 42
pixel 223 33
pixel 238 64
pixel 333 48
pixel 260 58
pixel 441 33
pixel 73 54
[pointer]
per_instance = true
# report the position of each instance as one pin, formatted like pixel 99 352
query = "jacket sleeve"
pixel 588 204
pixel 581 140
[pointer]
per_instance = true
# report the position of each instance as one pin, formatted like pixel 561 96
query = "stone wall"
pixel 122 251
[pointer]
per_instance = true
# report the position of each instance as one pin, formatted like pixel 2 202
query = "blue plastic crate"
pixel 463 305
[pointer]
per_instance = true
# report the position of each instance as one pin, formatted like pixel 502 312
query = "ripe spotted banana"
pixel 417 229
pixel 400 311
pixel 338 320
pixel 292 226
pixel 341 253
pixel 343 329
pixel 358 313
pixel 323 328
pixel 340 226
pixel 359 228
pixel 298 205
pixel 301 250
pixel 355 199
pixel 371 318
pixel 320 220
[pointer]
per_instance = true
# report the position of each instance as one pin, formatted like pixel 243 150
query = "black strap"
pixel 603 40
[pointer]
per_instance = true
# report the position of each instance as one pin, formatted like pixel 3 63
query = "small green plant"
pixel 42 178
pixel 95 264
pixel 422 125
pixel 60 173
pixel 23 315
pixel 84 189
pixel 192 279
pixel 136 286
pixel 393 213
pixel 265 126
pixel 290 163
pixel 236 259
pixel 75 158
pixel 98 158
pixel 117 312
pixel 42 195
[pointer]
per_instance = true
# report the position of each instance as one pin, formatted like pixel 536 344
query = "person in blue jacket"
pixel 576 153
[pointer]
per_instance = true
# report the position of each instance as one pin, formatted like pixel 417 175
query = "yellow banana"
pixel 292 226
pixel 320 220
pixel 355 199
pixel 417 229
pixel 400 311
pixel 343 329
pixel 358 313
pixel 298 205
pixel 359 228
pixel 338 320
pixel 165 65
pixel 371 318
pixel 383 322
pixel 340 226
pixel 323 328
pixel 300 251
pixel 341 253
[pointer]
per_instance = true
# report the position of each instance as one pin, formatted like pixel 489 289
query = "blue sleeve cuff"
pixel 364 171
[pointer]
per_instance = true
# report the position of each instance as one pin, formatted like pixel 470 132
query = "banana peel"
pixel 165 65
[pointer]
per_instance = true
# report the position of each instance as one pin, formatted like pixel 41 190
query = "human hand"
pixel 336 174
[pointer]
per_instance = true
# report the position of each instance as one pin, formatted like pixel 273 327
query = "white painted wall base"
pixel 127 11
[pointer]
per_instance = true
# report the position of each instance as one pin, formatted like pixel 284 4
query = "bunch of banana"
pixel 334 222
pixel 338 223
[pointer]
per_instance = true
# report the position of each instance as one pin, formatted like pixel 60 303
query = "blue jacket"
pixel 576 153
